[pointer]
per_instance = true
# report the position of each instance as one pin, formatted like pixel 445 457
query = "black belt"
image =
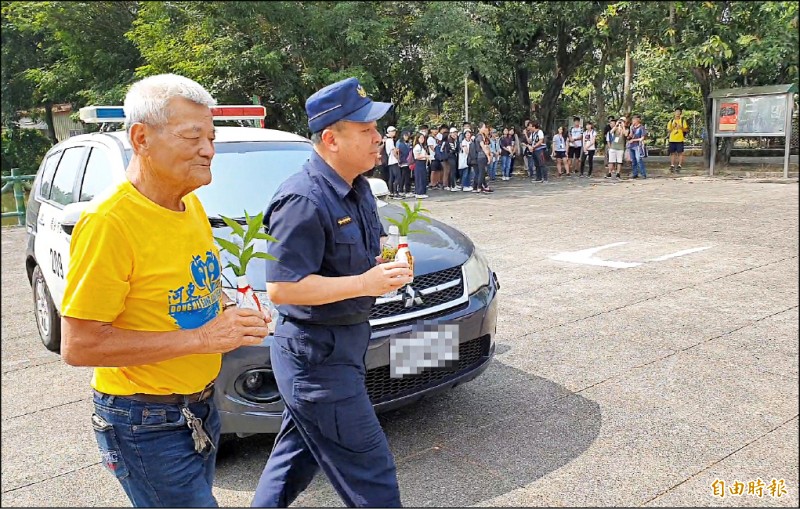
pixel 339 320
pixel 170 399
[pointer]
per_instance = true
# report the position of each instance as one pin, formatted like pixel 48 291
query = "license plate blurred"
pixel 428 347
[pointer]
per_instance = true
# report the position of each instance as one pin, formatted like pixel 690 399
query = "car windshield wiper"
pixel 217 222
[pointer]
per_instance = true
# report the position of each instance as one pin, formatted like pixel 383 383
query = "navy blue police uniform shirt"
pixel 325 227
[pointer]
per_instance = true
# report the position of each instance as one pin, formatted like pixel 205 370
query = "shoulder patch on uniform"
pixel 345 220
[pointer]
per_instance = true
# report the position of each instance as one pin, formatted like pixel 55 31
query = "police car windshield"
pixel 245 175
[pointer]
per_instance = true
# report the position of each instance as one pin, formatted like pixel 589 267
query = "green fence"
pixel 19 184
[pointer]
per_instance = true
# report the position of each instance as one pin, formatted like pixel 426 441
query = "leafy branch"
pixel 409 217
pixel 246 252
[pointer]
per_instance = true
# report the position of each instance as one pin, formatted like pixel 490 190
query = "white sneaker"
pixel 453 189
pixel 447 188
pixel 467 189
pixel 421 196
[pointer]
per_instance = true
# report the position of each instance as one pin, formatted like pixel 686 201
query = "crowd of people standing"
pixel 452 159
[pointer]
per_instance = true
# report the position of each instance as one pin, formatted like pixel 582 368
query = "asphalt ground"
pixel 611 386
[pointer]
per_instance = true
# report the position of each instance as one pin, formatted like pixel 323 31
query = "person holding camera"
pixel 616 147
pixel 677 128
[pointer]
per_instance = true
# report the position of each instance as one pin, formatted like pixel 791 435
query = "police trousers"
pixel 328 420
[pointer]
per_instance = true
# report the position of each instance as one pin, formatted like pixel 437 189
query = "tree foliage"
pixel 540 60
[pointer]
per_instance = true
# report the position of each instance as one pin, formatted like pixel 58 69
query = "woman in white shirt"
pixel 589 148
pixel 421 158
pixel 560 151
pixel 463 166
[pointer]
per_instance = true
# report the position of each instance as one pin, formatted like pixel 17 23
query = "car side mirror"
pixel 379 187
pixel 71 214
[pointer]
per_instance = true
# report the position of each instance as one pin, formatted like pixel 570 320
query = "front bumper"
pixel 476 320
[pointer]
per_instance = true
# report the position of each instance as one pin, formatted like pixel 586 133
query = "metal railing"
pixel 20 184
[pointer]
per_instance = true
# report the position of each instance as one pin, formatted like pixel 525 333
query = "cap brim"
pixel 369 112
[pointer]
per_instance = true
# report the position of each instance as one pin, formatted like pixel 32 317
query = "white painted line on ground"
pixel 587 257
pixel 679 253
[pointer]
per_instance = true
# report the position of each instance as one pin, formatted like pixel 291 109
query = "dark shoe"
pixel 671 169
pixel 678 170
pixel 635 177
pixel 618 177
pixel 608 175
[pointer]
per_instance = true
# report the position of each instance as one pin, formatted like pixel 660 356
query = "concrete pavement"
pixel 611 386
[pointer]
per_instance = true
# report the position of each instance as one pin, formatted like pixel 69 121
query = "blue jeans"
pixel 493 169
pixel 637 163
pixel 505 165
pixel 466 177
pixel 532 173
pixel 149 449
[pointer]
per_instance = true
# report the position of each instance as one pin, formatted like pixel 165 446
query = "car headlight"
pixel 476 272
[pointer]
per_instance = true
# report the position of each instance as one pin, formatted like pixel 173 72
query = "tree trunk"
pixel 491 93
pixel 672 23
pixel 48 118
pixel 627 92
pixel 725 151
pixel 521 77
pixel 548 106
pixel 599 79
pixel 709 144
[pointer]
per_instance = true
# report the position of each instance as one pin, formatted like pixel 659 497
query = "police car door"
pixel 52 242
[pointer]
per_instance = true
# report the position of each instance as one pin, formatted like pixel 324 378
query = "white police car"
pixel 453 285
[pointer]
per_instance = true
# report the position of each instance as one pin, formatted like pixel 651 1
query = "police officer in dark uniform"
pixel 324 285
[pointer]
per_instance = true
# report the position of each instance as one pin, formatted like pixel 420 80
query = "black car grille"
pixel 381 387
pixel 395 308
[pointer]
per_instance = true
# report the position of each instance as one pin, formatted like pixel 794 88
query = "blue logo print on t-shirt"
pixel 197 302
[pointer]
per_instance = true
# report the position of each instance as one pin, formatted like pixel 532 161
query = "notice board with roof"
pixel 762 112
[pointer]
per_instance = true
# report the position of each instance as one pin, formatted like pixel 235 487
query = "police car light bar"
pixel 242 112
pixel 103 114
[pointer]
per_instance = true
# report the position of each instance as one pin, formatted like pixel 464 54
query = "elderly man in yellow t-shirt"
pixel 143 303
pixel 676 127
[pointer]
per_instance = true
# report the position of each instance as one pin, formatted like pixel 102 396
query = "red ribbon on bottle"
pixel 244 290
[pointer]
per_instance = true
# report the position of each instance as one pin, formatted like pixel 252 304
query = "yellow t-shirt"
pixel 143 267
pixel 676 129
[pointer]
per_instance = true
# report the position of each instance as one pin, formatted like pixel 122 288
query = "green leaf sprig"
pixel 409 217
pixel 247 252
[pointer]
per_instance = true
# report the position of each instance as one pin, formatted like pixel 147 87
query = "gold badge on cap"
pixel 361 91
pixel 347 219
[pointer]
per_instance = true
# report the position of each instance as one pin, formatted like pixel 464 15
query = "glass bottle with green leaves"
pixel 244 253
pixel 409 217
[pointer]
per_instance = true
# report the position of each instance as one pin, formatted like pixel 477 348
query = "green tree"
pixel 56 52
pixel 23 149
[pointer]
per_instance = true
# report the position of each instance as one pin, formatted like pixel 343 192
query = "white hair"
pixel 146 100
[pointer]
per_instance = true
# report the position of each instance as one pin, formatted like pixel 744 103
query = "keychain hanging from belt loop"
pixel 202 441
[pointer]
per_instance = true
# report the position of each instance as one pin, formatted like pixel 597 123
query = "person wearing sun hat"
pixel 324 285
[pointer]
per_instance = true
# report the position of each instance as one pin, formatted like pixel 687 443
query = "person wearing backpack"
pixel 464 160
pixel 406 161
pixel 482 156
pixel 539 147
pixel 392 162
pixel 494 146
pixel 636 137
pixel 421 158
pixel 442 154
pixel 452 159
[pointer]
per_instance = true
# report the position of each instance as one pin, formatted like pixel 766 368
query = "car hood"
pixel 437 247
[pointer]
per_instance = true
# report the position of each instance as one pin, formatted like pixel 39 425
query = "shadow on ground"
pixel 501 431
